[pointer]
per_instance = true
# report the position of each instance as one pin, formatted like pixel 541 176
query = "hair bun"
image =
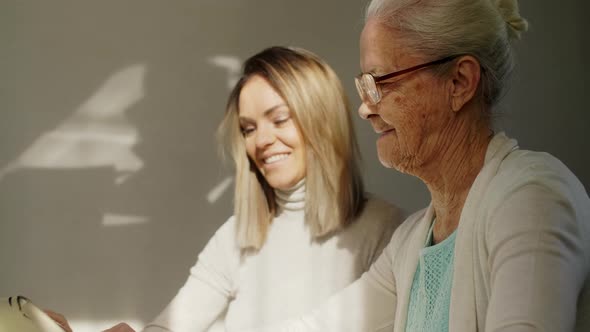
pixel 508 9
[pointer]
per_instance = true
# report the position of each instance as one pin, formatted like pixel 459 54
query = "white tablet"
pixel 19 314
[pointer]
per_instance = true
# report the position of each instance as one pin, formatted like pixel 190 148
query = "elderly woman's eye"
pixel 386 87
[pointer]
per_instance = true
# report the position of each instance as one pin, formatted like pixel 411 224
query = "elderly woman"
pixel 303 228
pixel 505 243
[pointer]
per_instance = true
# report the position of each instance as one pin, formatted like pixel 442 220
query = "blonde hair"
pixel 481 28
pixel 319 107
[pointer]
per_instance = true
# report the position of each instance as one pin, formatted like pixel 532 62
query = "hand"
pixel 121 327
pixel 59 319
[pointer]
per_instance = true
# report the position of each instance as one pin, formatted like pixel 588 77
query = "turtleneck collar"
pixel 292 199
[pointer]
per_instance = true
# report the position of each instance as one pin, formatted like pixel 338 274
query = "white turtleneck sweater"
pixel 289 276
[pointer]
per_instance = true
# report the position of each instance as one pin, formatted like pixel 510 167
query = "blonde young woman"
pixel 303 228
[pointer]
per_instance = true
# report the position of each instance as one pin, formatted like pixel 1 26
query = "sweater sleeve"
pixel 537 238
pixel 366 305
pixel 207 291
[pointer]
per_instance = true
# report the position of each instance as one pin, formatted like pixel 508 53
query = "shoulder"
pixel 406 233
pixel 534 191
pixel 227 231
pixel 379 211
pixel 374 224
pixel 534 172
pixel 379 214
pixel 409 226
pixel 221 253
pixel 533 163
pixel 379 208
pixel 372 229
pixel 223 241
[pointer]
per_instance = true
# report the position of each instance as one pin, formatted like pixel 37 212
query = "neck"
pixel 292 199
pixel 453 169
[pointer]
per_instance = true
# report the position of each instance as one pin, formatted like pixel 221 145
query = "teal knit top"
pixel 430 296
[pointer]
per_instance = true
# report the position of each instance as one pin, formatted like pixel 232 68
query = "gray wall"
pixel 107 116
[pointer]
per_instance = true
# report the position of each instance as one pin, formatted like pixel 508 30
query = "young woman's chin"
pixel 282 181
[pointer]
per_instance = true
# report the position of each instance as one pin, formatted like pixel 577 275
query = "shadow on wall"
pixel 110 182
pixel 81 236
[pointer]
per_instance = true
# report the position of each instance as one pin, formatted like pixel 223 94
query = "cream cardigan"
pixel 522 256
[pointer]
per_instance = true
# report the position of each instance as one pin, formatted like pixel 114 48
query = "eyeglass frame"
pixel 381 78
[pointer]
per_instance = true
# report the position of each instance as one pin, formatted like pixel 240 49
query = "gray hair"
pixel 484 29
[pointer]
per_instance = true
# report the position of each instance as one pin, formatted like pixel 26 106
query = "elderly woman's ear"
pixel 465 77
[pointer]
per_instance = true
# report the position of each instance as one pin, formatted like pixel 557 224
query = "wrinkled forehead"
pixel 382 49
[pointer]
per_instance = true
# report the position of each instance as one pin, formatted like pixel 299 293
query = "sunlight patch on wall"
pixel 215 193
pixel 97 134
pixel 232 65
pixel 111 219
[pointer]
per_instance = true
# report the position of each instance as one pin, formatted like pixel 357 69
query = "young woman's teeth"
pixel 275 158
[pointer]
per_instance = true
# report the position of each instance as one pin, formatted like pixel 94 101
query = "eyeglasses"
pixel 367 83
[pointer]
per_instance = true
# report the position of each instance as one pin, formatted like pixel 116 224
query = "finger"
pixel 59 319
pixel 121 327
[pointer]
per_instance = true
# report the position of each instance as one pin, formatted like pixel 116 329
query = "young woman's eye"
pixel 281 120
pixel 247 131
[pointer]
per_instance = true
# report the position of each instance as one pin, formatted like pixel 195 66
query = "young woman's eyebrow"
pixel 267 113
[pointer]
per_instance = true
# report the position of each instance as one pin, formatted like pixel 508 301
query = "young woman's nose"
pixel 264 136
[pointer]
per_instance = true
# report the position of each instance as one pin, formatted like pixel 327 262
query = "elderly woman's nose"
pixel 365 111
